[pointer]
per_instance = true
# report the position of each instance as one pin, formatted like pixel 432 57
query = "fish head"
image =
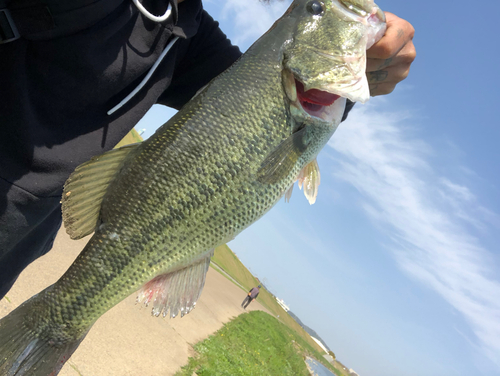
pixel 324 60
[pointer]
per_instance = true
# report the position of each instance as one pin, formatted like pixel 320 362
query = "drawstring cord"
pixel 154 18
pixel 151 16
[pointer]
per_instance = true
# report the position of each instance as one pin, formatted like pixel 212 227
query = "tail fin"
pixel 24 353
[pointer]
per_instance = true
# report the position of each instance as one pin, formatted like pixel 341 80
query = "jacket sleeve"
pixel 205 56
pixel 348 107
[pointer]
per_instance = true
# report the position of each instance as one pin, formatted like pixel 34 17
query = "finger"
pixel 398 33
pixel 384 81
pixel 373 65
pixel 381 89
pixel 405 56
pixel 395 74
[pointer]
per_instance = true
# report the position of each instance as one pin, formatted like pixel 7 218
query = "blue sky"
pixel 397 265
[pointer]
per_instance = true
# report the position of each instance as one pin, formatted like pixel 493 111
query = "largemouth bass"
pixel 159 208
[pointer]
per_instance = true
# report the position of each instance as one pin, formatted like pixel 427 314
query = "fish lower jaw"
pixel 331 114
pixel 324 104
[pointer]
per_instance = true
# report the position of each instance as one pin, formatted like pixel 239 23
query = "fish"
pixel 158 209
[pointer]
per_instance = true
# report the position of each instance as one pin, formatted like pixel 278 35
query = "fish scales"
pixel 164 219
pixel 212 170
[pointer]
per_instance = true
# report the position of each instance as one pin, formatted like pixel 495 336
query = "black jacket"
pixel 54 93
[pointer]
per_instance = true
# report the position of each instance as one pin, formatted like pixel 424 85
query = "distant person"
pixel 251 296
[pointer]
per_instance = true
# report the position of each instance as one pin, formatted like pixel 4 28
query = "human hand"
pixel 388 61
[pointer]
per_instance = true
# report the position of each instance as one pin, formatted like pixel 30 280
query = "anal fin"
pixel 310 178
pixel 176 291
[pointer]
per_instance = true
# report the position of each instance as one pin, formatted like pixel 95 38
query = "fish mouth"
pixel 314 100
pixel 319 103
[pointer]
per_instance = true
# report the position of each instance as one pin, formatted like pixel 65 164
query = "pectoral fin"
pixel 288 193
pixel 85 189
pixel 280 162
pixel 177 291
pixel 310 178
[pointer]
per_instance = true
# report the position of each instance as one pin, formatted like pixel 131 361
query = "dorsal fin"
pixel 85 189
pixel 310 177
pixel 176 291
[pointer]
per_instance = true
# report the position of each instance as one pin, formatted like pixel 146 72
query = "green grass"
pixel 252 344
pixel 130 138
pixel 75 368
pixel 226 259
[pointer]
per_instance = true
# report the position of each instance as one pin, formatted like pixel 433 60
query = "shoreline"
pixel 311 372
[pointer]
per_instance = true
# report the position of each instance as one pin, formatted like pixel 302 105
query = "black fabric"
pixel 54 95
pixel 32 20
pixel 48 19
pixel 348 107
pixel 175 10
pixel 208 51
pixel 7 29
pixel 28 226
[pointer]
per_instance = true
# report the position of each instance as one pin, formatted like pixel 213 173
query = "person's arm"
pixel 388 60
pixel 206 55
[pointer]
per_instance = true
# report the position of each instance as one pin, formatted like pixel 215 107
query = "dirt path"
pixel 127 340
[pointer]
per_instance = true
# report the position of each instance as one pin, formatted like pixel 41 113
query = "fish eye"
pixel 314 7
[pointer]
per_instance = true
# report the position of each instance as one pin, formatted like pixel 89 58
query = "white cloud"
pixel 426 216
pixel 460 191
pixel 252 18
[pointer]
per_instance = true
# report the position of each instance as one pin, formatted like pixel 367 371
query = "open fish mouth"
pixel 319 103
pixel 314 101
